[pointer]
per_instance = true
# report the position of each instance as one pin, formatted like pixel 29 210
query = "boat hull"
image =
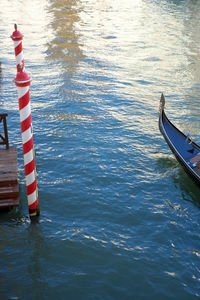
pixel 185 150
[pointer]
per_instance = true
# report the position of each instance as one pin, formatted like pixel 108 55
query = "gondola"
pixel 185 150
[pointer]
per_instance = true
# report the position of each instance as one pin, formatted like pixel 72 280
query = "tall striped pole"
pixel 17 39
pixel 22 81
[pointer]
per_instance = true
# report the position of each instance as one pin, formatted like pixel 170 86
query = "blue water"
pixel 119 216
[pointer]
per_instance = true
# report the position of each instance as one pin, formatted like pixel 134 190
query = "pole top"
pixel 16 36
pixel 22 79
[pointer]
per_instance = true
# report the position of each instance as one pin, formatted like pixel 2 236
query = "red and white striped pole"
pixel 17 39
pixel 22 81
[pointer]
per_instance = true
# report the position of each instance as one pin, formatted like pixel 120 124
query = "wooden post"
pixel 5 137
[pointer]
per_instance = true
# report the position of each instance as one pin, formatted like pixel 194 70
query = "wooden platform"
pixel 9 188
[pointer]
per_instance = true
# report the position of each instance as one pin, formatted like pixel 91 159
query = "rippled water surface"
pixel 119 216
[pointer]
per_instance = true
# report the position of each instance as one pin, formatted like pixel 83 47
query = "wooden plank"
pixel 11 152
pixel 8 169
pixel 7 180
pixel 8 158
pixel 9 189
pixel 9 202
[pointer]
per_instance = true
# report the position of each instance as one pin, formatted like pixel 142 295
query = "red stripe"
pixel 18 49
pixel 24 100
pixel 31 188
pixel 34 205
pixel 26 123
pixel 29 167
pixel 28 146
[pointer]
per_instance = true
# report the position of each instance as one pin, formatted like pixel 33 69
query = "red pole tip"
pixel 16 36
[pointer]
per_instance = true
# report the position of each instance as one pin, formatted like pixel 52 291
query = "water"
pixel 119 216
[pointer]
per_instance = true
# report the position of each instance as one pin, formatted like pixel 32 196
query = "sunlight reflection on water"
pixel 119 217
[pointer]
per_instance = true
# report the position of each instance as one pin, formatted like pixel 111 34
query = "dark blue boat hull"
pixel 181 145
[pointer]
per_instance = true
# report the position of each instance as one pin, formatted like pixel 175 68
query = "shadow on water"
pixel 38 248
pixel 189 190
pixel 34 248
pixel 169 167
pixel 13 216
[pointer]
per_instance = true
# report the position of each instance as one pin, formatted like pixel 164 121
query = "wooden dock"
pixel 9 188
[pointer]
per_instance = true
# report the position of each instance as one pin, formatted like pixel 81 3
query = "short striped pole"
pixel 22 81
pixel 17 39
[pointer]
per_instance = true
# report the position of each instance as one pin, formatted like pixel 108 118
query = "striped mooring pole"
pixel 22 81
pixel 17 38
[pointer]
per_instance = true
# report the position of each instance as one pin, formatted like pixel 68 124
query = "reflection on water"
pixel 1 76
pixel 65 46
pixel 119 217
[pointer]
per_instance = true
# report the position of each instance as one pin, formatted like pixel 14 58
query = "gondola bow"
pixel 185 150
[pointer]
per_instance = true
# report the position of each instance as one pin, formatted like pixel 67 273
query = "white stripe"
pixel 27 135
pixel 30 178
pixel 22 90
pixel 28 157
pixel 32 198
pixel 25 112
pixel 19 58
pixel 16 43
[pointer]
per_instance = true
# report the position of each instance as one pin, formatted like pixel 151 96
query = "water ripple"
pixel 119 216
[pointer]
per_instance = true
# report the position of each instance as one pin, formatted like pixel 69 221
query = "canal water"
pixel 119 216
